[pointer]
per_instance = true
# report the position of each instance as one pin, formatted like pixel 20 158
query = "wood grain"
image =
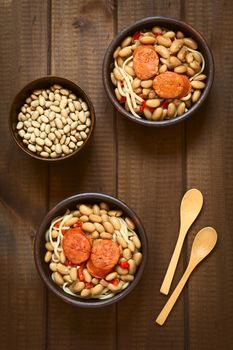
pixel 150 175
pixel 210 167
pixel 23 57
pixel 84 28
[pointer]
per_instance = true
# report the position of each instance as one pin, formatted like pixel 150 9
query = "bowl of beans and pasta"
pixel 91 250
pixel 158 71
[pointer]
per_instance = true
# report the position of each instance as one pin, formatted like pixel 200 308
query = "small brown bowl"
pixel 148 23
pixel 43 83
pixel 39 247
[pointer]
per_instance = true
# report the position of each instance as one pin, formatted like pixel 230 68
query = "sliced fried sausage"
pixel 76 246
pixel 168 85
pixel 145 62
pixel 171 85
pixel 104 256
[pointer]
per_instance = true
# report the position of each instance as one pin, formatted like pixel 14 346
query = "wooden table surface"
pixel 149 169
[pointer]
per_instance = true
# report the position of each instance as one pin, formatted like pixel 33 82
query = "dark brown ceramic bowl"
pixel 43 83
pixel 148 23
pixel 39 247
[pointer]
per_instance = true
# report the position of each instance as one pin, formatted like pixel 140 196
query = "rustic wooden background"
pixel 148 169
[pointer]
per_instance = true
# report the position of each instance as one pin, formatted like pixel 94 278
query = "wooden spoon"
pixel 203 244
pixel 190 208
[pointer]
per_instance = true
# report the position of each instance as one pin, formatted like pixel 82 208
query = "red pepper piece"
pixel 88 285
pixel 121 84
pixel 151 109
pixel 124 264
pixel 136 36
pixel 79 223
pixel 143 106
pixel 165 105
pixel 80 273
pixel 115 281
pixel 57 225
pixel 122 100
pixel 158 34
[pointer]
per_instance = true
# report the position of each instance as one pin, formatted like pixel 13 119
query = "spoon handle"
pixel 173 298
pixel 165 287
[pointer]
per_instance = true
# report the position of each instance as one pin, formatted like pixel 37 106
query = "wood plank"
pixel 23 46
pixel 150 181
pixel 83 30
pixel 210 167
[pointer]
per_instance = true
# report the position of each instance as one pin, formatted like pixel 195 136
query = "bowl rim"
pixel 88 303
pixel 166 21
pixel 32 85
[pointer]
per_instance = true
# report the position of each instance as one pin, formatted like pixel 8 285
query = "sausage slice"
pixel 76 245
pixel 145 62
pixel 104 256
pixel 171 85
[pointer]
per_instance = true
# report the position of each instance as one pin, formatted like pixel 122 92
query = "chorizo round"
pixel 145 62
pixel 76 246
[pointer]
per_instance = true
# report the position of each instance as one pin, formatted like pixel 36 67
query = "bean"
pixel 116 213
pixel 58 278
pixel 104 206
pixel 63 270
pixel 176 45
pixel 87 276
pixel 105 217
pixel 169 34
pixel 196 95
pixel 190 43
pixel 136 242
pixel 162 51
pixel 85 293
pixel 105 235
pixel 31 148
pixel 73 273
pixel 181 108
pixel 121 271
pixel 53 266
pixel 58 148
pixel 85 210
pixel 180 69
pixel 97 289
pixel 132 266
pixel 130 223
pixel 115 222
pixel 108 226
pixel 190 72
pixel 94 281
pixel 189 57
pixel 117 74
pixel 116 288
pixel 182 54
pixel 197 84
pixel 96 209
pixel 67 278
pixel 137 257
pixel 162 40
pixel 126 51
pixel 146 83
pixel 78 286
pixel 121 241
pixel 136 83
pixel 130 70
pixel 127 278
pixel 200 77
pixel 111 276
pixel 70 222
pixel 157 30
pixel 131 246
pixel 95 218
pixel 49 246
pixel 171 110
pixel 146 39
pixel 147 113
pixel 116 52
pixel 175 61
pixel 127 253
pixel 48 256
pixel 62 257
pixel 99 227
pixel 157 114
pixel 88 226
pixel 95 235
